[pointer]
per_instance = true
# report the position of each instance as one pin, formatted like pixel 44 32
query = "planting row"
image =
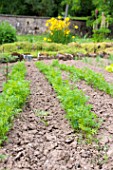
pixel 74 102
pixel 14 95
pixel 96 80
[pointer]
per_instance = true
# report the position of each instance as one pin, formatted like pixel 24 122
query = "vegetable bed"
pixel 67 122
pixel 15 92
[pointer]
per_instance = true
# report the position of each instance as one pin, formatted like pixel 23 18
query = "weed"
pixel 105 158
pixel 111 58
pixel 6 59
pixel 98 59
pixel 2 157
pixel 87 60
pixel 42 115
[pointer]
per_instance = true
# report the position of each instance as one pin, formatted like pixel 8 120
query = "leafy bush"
pixel 7 33
pixel 58 30
pixel 100 34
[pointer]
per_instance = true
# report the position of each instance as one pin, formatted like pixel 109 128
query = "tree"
pixel 31 7
pixel 102 6
pixel 55 7
pixel 79 7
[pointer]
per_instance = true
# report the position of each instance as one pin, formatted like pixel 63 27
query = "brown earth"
pixel 48 142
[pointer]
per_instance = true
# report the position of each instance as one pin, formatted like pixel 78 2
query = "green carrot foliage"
pixel 14 95
pixel 74 101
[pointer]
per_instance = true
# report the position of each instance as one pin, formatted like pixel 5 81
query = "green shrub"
pixel 100 34
pixel 7 33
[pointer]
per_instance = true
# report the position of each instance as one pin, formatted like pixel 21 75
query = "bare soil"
pixel 48 142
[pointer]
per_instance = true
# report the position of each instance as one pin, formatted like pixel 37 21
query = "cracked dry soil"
pixel 48 142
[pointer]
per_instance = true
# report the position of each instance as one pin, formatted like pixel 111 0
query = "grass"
pixel 80 18
pixel 40 38
pixel 31 38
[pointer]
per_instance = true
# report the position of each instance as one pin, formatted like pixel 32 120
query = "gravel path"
pixel 48 142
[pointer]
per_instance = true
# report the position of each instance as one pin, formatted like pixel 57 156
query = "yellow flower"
pixel 45 39
pixel 47 24
pixel 73 37
pixel 51 33
pixel 76 26
pixel 49 40
pixel 67 19
pixel 59 17
pixel 52 19
pixel 67 32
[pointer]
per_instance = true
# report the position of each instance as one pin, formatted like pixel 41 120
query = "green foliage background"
pixel 55 7
pixel 90 9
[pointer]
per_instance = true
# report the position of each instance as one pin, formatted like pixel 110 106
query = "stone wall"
pixel 36 25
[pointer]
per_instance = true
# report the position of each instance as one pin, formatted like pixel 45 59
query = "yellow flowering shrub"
pixel 58 30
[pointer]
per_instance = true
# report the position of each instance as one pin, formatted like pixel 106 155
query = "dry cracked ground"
pixel 42 139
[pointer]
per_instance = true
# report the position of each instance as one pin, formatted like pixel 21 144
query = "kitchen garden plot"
pixel 73 100
pixel 42 136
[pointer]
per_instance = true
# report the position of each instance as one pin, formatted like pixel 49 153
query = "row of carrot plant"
pixel 96 80
pixel 14 95
pixel 74 101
